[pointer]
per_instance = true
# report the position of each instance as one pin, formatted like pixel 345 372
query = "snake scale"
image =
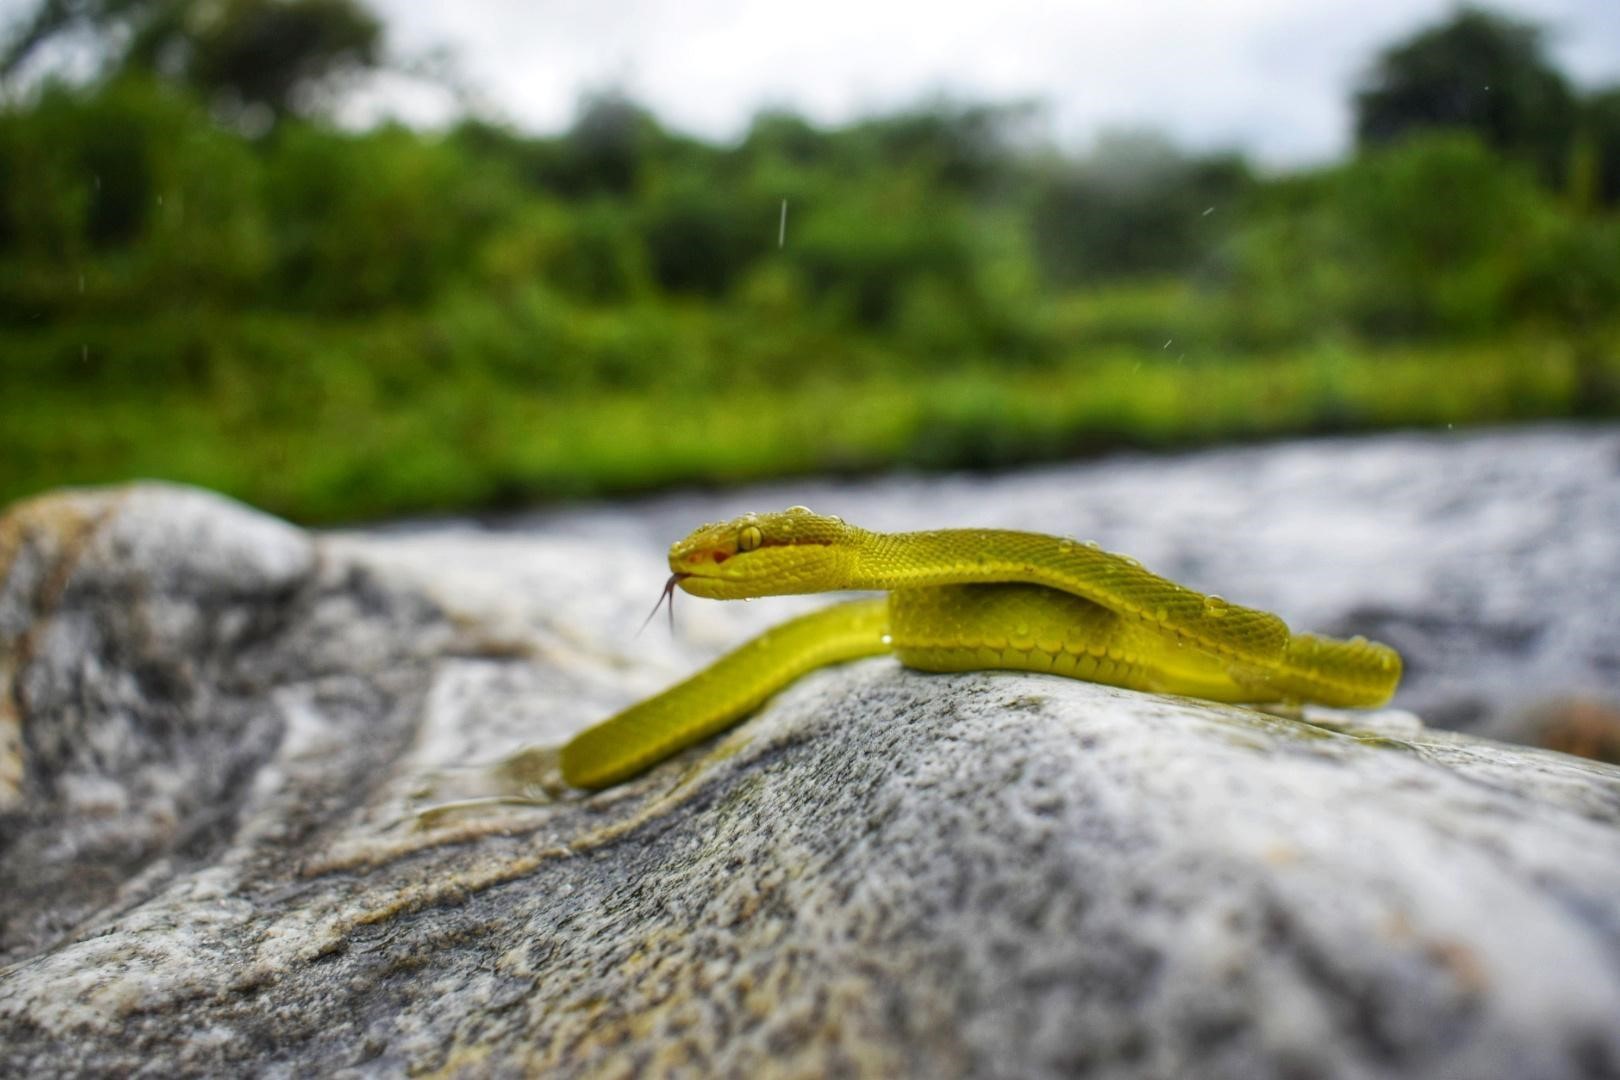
pixel 966 600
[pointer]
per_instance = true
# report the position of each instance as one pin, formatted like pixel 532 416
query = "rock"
pixel 214 730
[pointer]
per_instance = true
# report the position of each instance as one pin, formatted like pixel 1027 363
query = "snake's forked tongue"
pixel 669 595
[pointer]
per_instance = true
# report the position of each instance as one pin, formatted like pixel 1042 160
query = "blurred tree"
pixel 608 145
pixel 966 148
pixel 860 252
pixel 1446 230
pixel 59 19
pixel 1134 206
pixel 607 151
pixel 1480 71
pixel 386 217
pixel 265 58
pixel 587 251
pixel 125 197
pixel 279 55
pixel 698 237
pixel 788 137
pixel 1435 236
pixel 1600 134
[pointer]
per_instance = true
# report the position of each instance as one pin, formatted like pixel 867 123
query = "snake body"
pixel 965 600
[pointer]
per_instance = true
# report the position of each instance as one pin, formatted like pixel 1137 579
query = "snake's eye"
pixel 750 538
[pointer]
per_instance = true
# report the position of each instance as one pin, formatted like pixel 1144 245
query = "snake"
pixel 965 600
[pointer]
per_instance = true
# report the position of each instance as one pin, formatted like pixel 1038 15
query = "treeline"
pixel 172 246
pixel 925 229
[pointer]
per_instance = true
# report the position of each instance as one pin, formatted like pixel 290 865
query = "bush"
pixel 857 252
pixel 700 236
pixel 367 221
pixel 1446 227
pixel 590 252
pixel 1432 236
pixel 1135 207
pixel 122 197
pixel 1573 277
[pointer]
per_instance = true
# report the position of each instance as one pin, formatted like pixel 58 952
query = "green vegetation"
pixel 337 325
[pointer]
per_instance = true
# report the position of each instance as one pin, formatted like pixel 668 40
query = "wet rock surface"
pixel 214 730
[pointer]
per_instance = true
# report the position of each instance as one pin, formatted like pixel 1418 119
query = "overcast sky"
pixel 1271 76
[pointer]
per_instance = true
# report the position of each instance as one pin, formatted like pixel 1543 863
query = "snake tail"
pixel 1354 674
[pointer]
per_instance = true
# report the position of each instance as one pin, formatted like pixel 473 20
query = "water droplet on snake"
pixel 1215 607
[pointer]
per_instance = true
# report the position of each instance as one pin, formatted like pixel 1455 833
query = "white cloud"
pixel 1273 76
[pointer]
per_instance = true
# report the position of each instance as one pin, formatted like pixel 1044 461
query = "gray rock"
pixel 214 730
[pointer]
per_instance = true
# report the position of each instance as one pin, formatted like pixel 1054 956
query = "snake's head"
pixel 793 551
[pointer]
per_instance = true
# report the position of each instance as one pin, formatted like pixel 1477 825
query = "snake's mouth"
pixel 716 586
pixel 681 577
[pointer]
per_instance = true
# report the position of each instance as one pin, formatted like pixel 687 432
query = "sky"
pixel 1272 77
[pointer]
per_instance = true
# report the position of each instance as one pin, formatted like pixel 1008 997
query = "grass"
pixel 326 423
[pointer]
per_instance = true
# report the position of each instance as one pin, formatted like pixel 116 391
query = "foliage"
pixel 372 220
pixel 125 201
pixel 1478 72
pixel 274 55
pixel 1434 236
pixel 1134 207
pixel 482 403
pixel 277 55
pixel 336 324
pixel 1600 144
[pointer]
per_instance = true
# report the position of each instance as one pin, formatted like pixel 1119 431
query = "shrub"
pixel 123 198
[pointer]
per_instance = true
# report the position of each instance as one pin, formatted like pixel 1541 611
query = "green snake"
pixel 966 600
